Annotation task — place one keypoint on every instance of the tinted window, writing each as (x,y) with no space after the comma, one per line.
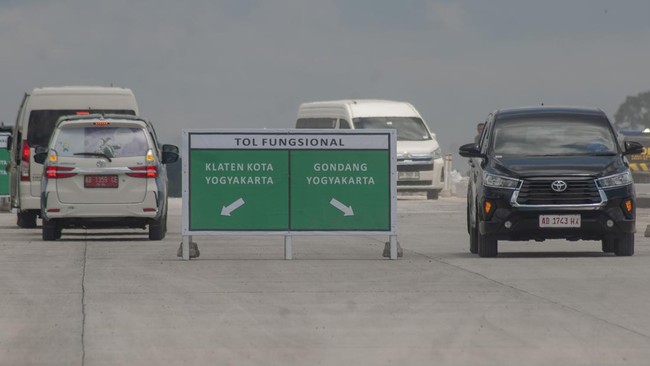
(553,136)
(316,123)
(408,128)
(41,122)
(344,124)
(115,142)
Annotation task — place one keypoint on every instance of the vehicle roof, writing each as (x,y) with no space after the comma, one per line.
(72,89)
(541,111)
(367,107)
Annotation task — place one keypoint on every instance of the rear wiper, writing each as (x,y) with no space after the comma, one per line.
(94,154)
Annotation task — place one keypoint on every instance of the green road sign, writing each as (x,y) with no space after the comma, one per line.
(239,190)
(4,161)
(340,190)
(288,182)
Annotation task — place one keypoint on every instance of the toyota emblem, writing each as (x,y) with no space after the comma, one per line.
(559,186)
(101,163)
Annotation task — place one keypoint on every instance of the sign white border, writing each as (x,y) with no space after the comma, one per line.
(364,139)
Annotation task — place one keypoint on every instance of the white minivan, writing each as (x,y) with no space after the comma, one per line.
(104,171)
(38,113)
(419,158)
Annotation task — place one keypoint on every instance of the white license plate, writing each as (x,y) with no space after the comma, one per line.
(408,175)
(559,220)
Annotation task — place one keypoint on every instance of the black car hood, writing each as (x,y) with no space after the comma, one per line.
(531,166)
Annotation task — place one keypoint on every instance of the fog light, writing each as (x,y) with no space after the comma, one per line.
(508,224)
(628,208)
(628,205)
(487,207)
(610,223)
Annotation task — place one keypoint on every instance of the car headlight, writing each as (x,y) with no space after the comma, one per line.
(616,180)
(437,153)
(497,181)
(414,156)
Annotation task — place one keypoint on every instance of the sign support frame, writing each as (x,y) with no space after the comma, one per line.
(356,135)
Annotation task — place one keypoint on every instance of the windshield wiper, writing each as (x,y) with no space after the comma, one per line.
(604,154)
(94,154)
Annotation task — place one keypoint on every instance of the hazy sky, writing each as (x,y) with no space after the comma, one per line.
(250,63)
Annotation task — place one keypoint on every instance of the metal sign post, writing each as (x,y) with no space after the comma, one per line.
(289,182)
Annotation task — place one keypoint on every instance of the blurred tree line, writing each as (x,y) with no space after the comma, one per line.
(634,113)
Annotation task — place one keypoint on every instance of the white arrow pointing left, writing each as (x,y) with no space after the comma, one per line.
(347,211)
(227,210)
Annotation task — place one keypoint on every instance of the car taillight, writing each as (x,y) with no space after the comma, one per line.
(149,171)
(24,163)
(59,172)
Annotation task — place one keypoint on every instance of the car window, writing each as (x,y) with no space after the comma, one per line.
(43,121)
(344,124)
(408,128)
(115,142)
(316,123)
(553,136)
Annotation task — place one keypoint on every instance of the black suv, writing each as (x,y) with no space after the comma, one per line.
(550,173)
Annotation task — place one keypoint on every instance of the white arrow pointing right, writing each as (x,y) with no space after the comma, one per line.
(347,211)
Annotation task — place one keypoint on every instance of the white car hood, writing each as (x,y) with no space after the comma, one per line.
(417,147)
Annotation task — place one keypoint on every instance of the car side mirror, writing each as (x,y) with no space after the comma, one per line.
(470,151)
(169,154)
(633,147)
(40,154)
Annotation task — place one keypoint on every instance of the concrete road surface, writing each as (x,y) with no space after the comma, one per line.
(115,298)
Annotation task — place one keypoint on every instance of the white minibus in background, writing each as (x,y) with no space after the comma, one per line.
(419,158)
(38,113)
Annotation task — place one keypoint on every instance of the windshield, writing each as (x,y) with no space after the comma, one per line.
(553,136)
(408,128)
(111,142)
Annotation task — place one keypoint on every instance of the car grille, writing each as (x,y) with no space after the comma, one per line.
(539,192)
(414,183)
(414,167)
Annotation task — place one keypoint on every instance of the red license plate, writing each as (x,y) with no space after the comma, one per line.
(100,181)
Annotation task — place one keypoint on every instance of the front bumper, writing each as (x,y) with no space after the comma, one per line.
(430,175)
(606,219)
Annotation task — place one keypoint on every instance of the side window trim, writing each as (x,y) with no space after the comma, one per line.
(486,132)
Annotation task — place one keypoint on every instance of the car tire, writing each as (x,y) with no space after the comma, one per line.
(473,240)
(433,194)
(609,245)
(51,231)
(157,229)
(26,219)
(625,245)
(487,246)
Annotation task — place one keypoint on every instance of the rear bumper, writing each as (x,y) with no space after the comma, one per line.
(29,202)
(147,209)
